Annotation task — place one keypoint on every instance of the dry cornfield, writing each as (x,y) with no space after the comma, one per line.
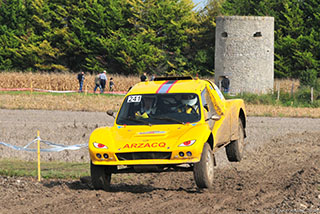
(69,82)
(286,85)
(60,81)
(281,111)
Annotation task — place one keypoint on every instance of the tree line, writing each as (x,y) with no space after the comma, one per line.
(157,36)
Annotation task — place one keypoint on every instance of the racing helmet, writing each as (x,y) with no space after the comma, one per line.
(189,99)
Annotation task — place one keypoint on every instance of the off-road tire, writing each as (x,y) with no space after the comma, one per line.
(235,148)
(203,170)
(100,176)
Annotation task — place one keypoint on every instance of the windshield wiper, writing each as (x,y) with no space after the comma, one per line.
(169,119)
(137,120)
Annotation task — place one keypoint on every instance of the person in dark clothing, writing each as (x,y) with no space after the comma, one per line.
(111,84)
(81,80)
(97,83)
(225,83)
(144,77)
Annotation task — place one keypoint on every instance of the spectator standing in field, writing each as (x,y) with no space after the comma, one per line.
(111,84)
(225,83)
(144,77)
(152,77)
(103,80)
(97,83)
(81,80)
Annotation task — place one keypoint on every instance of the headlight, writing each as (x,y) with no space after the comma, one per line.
(188,143)
(99,146)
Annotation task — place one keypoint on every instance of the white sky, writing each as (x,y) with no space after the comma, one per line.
(200,2)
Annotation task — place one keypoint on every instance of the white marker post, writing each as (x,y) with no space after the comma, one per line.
(39,174)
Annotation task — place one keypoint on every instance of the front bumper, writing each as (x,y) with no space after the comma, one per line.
(179,156)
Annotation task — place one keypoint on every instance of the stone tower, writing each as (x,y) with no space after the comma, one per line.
(244,52)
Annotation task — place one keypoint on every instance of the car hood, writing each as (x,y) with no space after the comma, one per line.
(149,138)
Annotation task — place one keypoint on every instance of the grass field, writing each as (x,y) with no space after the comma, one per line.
(51,170)
(64,102)
(102,103)
(48,169)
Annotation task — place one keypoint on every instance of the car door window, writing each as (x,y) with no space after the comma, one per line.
(208,106)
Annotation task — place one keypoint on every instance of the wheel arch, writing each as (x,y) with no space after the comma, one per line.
(242,117)
(210,140)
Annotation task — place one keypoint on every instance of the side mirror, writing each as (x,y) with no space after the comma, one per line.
(215,117)
(110,113)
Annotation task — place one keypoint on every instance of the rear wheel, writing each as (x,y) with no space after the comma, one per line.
(235,149)
(203,170)
(100,176)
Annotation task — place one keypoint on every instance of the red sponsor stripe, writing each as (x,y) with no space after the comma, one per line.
(171,86)
(162,86)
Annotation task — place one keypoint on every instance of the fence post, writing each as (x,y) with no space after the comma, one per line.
(38,141)
(292,86)
(278,88)
(311,94)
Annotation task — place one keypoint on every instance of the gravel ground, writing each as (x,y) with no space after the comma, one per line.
(280,172)
(19,127)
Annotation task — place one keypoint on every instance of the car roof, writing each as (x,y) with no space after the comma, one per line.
(170,85)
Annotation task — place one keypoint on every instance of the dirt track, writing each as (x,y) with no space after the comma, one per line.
(280,172)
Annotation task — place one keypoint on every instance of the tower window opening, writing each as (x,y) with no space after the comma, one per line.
(224,34)
(257,34)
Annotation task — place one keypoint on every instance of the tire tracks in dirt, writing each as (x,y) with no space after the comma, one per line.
(279,174)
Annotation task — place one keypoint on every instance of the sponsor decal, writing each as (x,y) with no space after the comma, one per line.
(144,145)
(166,86)
(152,132)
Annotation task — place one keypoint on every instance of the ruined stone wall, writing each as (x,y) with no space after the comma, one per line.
(244,51)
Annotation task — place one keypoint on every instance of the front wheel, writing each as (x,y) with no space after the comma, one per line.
(100,176)
(235,149)
(203,170)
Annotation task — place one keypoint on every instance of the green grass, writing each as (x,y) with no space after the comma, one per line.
(48,169)
(52,170)
(300,98)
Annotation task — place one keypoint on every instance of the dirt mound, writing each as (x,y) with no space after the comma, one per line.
(280,173)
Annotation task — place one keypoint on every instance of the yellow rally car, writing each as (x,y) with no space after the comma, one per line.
(169,124)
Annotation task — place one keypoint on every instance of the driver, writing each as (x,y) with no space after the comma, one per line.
(189,102)
(148,107)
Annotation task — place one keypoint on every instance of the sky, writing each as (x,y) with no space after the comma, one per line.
(200,2)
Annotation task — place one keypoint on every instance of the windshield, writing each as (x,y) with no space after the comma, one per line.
(150,109)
